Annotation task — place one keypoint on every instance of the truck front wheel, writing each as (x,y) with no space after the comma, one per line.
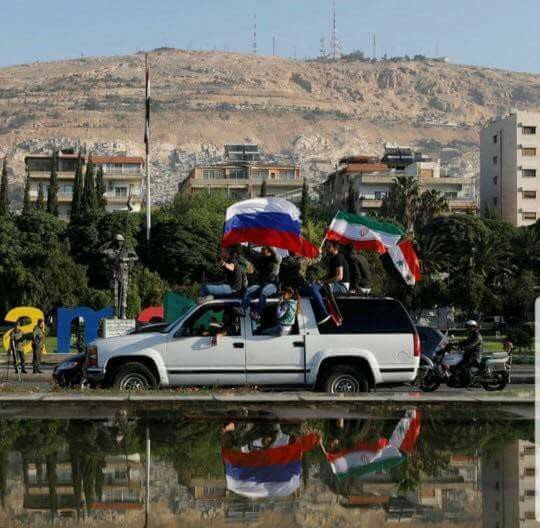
(345,379)
(134,376)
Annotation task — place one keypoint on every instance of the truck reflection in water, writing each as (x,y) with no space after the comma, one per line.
(242,469)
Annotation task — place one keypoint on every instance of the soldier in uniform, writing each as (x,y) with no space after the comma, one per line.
(38,344)
(120,258)
(16,347)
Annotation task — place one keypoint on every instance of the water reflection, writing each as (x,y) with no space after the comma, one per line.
(209,471)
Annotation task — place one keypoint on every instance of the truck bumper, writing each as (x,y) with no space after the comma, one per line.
(95,375)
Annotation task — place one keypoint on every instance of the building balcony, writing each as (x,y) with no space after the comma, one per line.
(113,199)
(45,175)
(369,203)
(112,175)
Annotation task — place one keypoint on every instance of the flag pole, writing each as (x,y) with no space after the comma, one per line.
(147,141)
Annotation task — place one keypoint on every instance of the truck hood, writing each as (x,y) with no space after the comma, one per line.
(130,343)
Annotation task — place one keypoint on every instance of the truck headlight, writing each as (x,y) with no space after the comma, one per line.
(92,355)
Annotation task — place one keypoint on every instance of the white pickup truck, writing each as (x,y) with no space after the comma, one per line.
(377,344)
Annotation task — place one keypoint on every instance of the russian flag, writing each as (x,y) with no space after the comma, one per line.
(267,222)
(266,473)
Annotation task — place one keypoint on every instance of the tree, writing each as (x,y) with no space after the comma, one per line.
(88,202)
(76,201)
(27,203)
(4,190)
(263,189)
(304,202)
(101,201)
(52,196)
(401,203)
(431,204)
(351,201)
(40,202)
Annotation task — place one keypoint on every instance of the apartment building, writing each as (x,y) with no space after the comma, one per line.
(241,174)
(510,167)
(123,176)
(508,486)
(370,179)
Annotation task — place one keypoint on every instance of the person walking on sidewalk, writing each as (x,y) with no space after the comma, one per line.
(38,344)
(16,347)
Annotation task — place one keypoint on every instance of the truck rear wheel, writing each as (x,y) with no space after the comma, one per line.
(345,379)
(134,376)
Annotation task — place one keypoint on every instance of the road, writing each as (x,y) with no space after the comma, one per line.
(522,378)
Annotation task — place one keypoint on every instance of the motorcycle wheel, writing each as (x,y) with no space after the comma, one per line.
(430,382)
(499,385)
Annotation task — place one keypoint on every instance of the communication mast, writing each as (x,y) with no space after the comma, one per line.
(255,34)
(335,45)
(323,47)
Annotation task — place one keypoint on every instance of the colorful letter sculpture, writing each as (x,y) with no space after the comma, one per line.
(91,324)
(152,314)
(176,305)
(23,312)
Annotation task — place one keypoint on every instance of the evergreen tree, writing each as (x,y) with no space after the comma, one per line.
(304,202)
(263,189)
(4,189)
(88,202)
(52,196)
(101,201)
(76,201)
(351,202)
(27,204)
(40,202)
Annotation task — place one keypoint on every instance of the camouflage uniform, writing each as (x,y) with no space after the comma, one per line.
(16,346)
(38,343)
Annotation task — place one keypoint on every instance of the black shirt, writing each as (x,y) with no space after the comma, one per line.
(335,262)
(234,277)
(359,272)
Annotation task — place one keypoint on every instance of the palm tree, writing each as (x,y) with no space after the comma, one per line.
(402,201)
(430,205)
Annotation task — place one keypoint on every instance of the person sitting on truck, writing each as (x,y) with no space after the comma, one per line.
(359,272)
(234,278)
(337,279)
(267,263)
(286,311)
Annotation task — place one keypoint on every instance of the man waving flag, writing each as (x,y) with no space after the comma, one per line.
(267,222)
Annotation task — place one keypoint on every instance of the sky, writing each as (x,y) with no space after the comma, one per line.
(496,33)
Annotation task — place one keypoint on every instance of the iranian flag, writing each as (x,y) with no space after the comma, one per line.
(406,262)
(365,458)
(363,232)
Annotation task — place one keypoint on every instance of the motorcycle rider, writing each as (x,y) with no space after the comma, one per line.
(472,348)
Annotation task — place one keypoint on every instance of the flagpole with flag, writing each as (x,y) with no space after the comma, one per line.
(147,145)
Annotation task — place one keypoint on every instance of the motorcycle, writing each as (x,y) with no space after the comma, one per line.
(492,373)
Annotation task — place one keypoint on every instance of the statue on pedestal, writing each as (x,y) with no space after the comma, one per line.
(120,258)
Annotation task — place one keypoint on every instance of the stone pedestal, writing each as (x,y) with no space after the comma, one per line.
(117,327)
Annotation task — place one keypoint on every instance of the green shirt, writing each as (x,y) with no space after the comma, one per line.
(38,337)
(287,313)
(17,340)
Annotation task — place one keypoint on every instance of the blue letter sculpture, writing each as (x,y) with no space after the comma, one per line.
(91,324)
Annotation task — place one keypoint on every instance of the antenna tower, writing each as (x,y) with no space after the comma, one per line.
(255,34)
(335,45)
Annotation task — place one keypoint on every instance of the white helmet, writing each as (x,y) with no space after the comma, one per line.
(471,323)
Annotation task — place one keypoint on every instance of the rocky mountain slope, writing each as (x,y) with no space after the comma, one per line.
(309,111)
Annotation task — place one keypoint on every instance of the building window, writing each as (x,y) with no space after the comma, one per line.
(529,173)
(260,174)
(120,192)
(529,130)
(286,175)
(213,174)
(529,472)
(495,200)
(528,151)
(132,167)
(495,160)
(495,179)
(529,493)
(495,138)
(529,215)
(451,195)
(67,189)
(529,195)
(530,516)
(380,195)
(237,174)
(529,450)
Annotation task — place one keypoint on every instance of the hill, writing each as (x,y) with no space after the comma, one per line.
(311,111)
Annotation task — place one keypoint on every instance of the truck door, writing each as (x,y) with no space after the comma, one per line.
(274,360)
(208,348)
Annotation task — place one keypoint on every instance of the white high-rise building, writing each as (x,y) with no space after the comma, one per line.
(510,167)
